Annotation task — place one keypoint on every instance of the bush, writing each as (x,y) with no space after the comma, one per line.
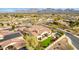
(31,42)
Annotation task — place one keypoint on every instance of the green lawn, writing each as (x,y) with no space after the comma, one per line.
(46,42)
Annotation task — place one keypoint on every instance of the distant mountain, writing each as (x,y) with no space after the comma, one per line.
(41,10)
(48,10)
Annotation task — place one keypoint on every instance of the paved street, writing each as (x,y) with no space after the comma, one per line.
(74,40)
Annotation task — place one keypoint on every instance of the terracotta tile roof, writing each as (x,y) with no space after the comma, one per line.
(38,30)
(18,42)
(12,37)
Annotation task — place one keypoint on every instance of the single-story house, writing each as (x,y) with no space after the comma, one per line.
(39,31)
(11,40)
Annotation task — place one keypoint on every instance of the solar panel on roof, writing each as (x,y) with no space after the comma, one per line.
(10,36)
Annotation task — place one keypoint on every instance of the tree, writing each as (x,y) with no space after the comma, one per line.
(1,24)
(31,42)
(13,27)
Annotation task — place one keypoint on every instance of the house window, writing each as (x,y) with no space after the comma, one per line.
(11,47)
(56,48)
(46,34)
(35,31)
(39,38)
(59,44)
(1,48)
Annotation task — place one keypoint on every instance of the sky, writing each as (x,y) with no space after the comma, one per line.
(11,9)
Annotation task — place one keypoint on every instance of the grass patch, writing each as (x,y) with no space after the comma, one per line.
(46,42)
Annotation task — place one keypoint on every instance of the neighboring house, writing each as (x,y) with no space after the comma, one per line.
(64,43)
(49,21)
(19,28)
(11,40)
(39,31)
(63,22)
(5,28)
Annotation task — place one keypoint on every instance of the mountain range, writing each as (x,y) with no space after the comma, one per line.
(39,10)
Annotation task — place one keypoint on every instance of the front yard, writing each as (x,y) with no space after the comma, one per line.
(46,42)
